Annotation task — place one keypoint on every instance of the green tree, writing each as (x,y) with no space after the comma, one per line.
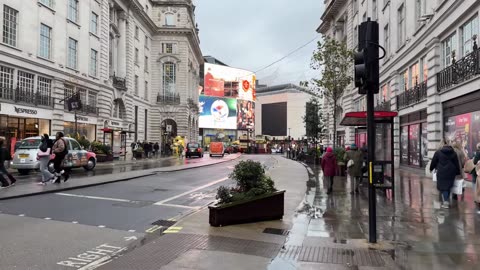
(334,61)
(314,122)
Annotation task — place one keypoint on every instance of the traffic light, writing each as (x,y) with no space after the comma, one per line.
(366,59)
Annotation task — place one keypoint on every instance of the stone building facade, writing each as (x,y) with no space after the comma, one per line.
(430,74)
(134,63)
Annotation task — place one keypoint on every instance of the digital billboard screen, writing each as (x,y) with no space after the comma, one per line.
(245,114)
(223,81)
(274,119)
(217,112)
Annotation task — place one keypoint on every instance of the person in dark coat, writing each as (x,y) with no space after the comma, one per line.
(329,164)
(156,148)
(476,159)
(5,156)
(354,171)
(445,161)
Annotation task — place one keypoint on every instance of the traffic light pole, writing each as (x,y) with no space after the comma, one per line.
(372,200)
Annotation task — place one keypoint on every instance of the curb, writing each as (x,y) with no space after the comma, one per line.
(108,182)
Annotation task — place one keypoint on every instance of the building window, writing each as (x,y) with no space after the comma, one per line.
(146,63)
(137,32)
(6,82)
(48,3)
(68,92)
(136,85)
(92,99)
(448,48)
(145,93)
(401,26)
(73,10)
(167,48)
(355,6)
(94,24)
(136,56)
(45,41)
(72,53)
(386,92)
(374,10)
(414,75)
(44,86)
(146,41)
(10,26)
(386,40)
(26,83)
(93,62)
(403,84)
(469,30)
(423,69)
(169,19)
(169,78)
(418,12)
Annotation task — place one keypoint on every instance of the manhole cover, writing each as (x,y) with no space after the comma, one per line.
(165,223)
(275,231)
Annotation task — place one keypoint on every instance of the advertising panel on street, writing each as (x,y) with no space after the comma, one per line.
(223,81)
(217,112)
(245,114)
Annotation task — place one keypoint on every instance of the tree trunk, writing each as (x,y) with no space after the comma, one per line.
(334,124)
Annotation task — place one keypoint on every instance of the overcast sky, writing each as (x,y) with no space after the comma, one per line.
(251,34)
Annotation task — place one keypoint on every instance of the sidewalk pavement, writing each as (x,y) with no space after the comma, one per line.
(32,188)
(325,231)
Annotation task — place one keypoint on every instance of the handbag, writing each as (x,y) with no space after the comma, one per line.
(469,166)
(427,169)
(350,163)
(434,175)
(457,187)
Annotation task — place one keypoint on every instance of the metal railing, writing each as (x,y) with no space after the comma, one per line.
(24,96)
(168,99)
(384,106)
(412,96)
(85,109)
(119,82)
(459,71)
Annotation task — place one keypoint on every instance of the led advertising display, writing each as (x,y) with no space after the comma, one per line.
(245,114)
(223,81)
(274,119)
(217,112)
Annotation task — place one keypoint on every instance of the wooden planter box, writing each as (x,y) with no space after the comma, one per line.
(265,207)
(104,158)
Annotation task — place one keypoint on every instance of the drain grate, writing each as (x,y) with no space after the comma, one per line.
(275,231)
(354,257)
(165,223)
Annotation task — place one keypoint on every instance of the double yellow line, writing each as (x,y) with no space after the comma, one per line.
(168,230)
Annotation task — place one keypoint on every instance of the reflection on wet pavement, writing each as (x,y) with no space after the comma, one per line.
(422,236)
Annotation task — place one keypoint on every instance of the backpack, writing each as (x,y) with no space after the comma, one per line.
(44,147)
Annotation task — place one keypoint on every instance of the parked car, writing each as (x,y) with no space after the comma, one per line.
(217,149)
(228,149)
(193,149)
(25,157)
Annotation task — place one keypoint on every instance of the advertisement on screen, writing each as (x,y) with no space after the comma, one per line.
(216,112)
(223,81)
(245,114)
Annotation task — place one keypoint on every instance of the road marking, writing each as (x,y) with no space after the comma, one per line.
(92,259)
(75,222)
(191,191)
(171,219)
(130,238)
(96,198)
(131,230)
(177,205)
(47,218)
(101,226)
(173,230)
(153,229)
(21,215)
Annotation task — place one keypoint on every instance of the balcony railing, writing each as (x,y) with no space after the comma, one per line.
(168,99)
(384,106)
(460,71)
(86,109)
(412,96)
(119,83)
(28,97)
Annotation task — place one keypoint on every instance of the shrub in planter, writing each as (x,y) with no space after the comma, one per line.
(254,198)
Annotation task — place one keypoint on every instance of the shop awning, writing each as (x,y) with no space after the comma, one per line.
(359,119)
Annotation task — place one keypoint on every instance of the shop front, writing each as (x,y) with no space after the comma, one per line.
(462,121)
(19,122)
(413,139)
(215,135)
(86,126)
(115,135)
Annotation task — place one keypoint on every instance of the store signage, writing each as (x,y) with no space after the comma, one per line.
(82,118)
(113,123)
(25,110)
(70,117)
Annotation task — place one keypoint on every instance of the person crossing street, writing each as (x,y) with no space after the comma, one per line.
(5,156)
(60,149)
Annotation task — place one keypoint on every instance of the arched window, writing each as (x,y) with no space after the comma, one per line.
(119,109)
(169,78)
(169,19)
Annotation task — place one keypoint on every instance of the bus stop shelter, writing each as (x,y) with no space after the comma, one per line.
(384,154)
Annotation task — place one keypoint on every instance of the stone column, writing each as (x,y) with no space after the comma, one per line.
(122,46)
(434,105)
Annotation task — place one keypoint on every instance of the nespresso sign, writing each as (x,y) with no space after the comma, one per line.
(24,110)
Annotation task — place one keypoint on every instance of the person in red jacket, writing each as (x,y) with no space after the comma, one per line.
(329,165)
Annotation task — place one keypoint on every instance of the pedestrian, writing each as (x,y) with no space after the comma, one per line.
(462,159)
(446,162)
(329,165)
(355,170)
(156,148)
(476,186)
(60,150)
(5,156)
(145,148)
(43,156)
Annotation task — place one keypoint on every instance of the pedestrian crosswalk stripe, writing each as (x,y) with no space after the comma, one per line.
(173,230)
(153,229)
(171,219)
